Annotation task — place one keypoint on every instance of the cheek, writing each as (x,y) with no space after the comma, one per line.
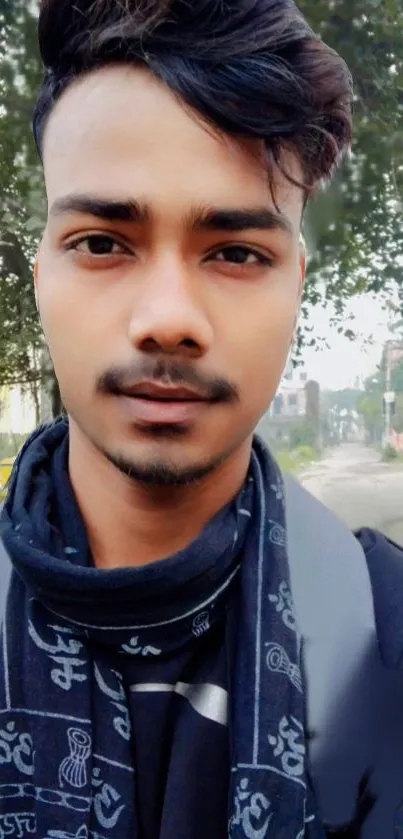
(70,332)
(261,339)
(68,306)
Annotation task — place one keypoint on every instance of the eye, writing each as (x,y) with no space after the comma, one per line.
(97,245)
(240,255)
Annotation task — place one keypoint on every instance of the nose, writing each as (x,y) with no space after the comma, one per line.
(169,314)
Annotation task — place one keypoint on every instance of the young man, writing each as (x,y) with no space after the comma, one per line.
(153,681)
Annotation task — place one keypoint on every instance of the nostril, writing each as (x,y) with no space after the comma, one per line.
(150,345)
(191,345)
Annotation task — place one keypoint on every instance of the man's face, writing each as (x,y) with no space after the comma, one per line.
(168,281)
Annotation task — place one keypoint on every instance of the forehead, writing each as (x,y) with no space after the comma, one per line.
(121,131)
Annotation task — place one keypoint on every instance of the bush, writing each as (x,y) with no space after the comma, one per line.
(389,453)
(286,461)
(292,461)
(305,454)
(303,435)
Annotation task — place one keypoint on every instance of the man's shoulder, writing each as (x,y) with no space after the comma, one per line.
(376,545)
(348,592)
(329,577)
(315,531)
(352,581)
(385,566)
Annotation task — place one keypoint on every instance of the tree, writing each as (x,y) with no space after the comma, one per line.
(371,407)
(397,418)
(20,334)
(340,410)
(341,400)
(397,377)
(355,229)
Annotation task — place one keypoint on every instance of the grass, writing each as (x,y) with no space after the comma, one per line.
(391,455)
(295,460)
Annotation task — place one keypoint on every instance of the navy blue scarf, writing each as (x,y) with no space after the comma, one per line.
(70,625)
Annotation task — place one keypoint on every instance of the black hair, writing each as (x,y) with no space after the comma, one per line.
(249,68)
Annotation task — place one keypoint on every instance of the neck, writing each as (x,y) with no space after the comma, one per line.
(130,524)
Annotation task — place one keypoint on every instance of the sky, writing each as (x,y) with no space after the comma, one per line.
(344,361)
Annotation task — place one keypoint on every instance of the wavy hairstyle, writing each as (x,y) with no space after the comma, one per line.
(248,68)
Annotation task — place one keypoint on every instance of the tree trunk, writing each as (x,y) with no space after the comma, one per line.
(56,399)
(35,390)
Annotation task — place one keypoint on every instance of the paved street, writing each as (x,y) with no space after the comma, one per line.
(360,489)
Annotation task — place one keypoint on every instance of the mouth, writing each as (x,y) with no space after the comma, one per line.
(151,404)
(163,393)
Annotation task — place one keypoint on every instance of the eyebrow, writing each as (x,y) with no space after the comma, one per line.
(102,208)
(202,220)
(235,221)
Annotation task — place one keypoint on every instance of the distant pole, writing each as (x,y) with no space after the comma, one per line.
(312,410)
(388,404)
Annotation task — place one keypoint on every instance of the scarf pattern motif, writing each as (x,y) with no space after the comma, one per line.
(69,718)
(272,794)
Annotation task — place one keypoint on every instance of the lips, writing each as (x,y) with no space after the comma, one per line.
(162,393)
(151,404)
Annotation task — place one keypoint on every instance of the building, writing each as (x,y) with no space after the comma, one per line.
(289,408)
(290,400)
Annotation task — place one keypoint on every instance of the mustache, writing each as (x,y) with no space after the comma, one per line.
(117,380)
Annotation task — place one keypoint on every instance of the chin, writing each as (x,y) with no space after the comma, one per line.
(160,471)
(164,459)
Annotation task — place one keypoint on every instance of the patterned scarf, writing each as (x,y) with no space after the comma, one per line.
(65,750)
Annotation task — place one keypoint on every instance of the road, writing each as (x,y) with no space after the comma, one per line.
(360,489)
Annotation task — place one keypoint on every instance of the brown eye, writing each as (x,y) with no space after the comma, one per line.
(240,255)
(98,246)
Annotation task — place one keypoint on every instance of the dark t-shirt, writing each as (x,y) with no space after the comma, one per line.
(180,742)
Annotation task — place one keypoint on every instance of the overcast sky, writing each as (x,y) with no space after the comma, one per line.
(340,365)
